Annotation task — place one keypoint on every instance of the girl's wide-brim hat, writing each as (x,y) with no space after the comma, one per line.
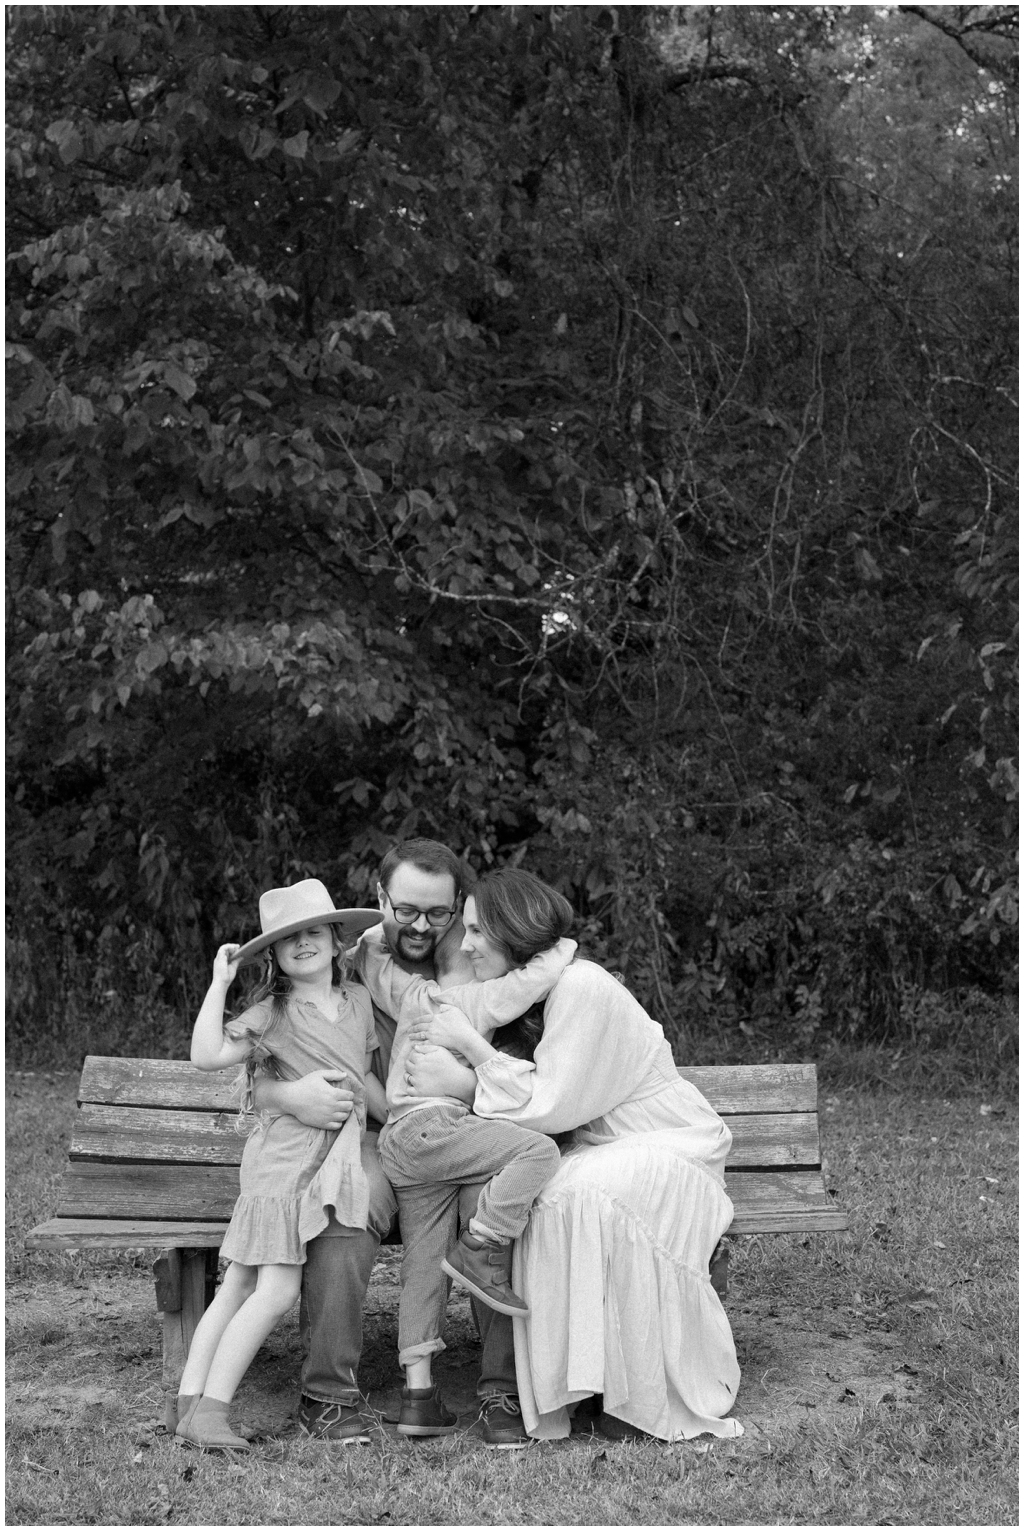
(283,911)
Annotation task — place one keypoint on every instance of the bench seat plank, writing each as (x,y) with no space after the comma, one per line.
(142,1233)
(782,1202)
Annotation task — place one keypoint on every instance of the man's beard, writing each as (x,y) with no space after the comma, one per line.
(419,953)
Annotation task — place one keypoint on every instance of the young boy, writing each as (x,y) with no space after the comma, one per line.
(431,1147)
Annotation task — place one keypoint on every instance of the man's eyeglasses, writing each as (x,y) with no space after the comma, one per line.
(408,914)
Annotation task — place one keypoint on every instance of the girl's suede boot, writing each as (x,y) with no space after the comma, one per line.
(206,1424)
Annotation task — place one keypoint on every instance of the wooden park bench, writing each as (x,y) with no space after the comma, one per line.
(155,1152)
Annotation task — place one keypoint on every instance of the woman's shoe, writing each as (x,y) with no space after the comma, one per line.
(424,1412)
(614,1429)
(206,1425)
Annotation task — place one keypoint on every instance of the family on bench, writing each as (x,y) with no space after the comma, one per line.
(541,1148)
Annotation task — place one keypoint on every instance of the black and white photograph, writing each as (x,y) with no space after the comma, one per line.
(512,780)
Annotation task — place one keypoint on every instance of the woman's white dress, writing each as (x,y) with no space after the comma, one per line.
(614,1259)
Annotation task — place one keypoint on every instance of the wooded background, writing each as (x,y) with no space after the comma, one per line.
(584,436)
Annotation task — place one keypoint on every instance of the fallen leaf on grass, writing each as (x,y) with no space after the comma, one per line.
(160,1507)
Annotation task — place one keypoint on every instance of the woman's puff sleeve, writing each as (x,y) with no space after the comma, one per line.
(595,1052)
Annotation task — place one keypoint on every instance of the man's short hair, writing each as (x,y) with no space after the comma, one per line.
(428,856)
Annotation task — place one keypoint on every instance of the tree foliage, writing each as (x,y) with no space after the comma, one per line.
(575,434)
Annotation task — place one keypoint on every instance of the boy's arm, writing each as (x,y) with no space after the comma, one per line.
(496,1001)
(376,1100)
(390,986)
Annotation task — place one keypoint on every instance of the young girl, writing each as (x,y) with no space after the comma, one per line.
(303,1015)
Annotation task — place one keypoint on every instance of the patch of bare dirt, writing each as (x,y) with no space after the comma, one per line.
(90,1350)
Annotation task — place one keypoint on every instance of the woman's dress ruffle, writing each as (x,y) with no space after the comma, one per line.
(614,1263)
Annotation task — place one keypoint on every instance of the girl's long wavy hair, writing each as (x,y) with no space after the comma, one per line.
(522,916)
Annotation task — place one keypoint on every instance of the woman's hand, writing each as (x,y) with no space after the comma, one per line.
(433,1071)
(448,1027)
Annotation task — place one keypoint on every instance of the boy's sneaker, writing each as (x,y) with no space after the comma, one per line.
(503,1428)
(339,1424)
(484,1268)
(424,1412)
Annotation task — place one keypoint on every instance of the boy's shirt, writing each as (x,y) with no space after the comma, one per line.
(408,996)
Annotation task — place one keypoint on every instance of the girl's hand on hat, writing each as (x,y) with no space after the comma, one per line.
(224,969)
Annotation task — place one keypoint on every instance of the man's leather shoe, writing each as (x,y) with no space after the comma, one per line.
(424,1412)
(340,1424)
(484,1268)
(503,1428)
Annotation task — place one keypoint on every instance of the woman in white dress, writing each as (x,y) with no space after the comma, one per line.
(614,1260)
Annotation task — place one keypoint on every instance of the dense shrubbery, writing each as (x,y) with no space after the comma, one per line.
(578,435)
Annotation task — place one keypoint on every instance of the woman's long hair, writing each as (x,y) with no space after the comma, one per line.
(522,916)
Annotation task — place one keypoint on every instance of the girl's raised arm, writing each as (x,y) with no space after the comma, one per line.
(211,1049)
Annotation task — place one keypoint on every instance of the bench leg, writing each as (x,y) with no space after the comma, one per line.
(185,1282)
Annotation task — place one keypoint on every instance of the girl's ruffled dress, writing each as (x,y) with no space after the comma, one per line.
(292,1177)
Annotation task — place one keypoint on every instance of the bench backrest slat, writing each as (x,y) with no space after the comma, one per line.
(168,1083)
(776,1199)
(141,1135)
(202,1192)
(760,1087)
(173,1083)
(156,1140)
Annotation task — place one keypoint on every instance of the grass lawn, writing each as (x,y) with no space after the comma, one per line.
(879,1366)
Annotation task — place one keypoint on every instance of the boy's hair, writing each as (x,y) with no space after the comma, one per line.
(427,856)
